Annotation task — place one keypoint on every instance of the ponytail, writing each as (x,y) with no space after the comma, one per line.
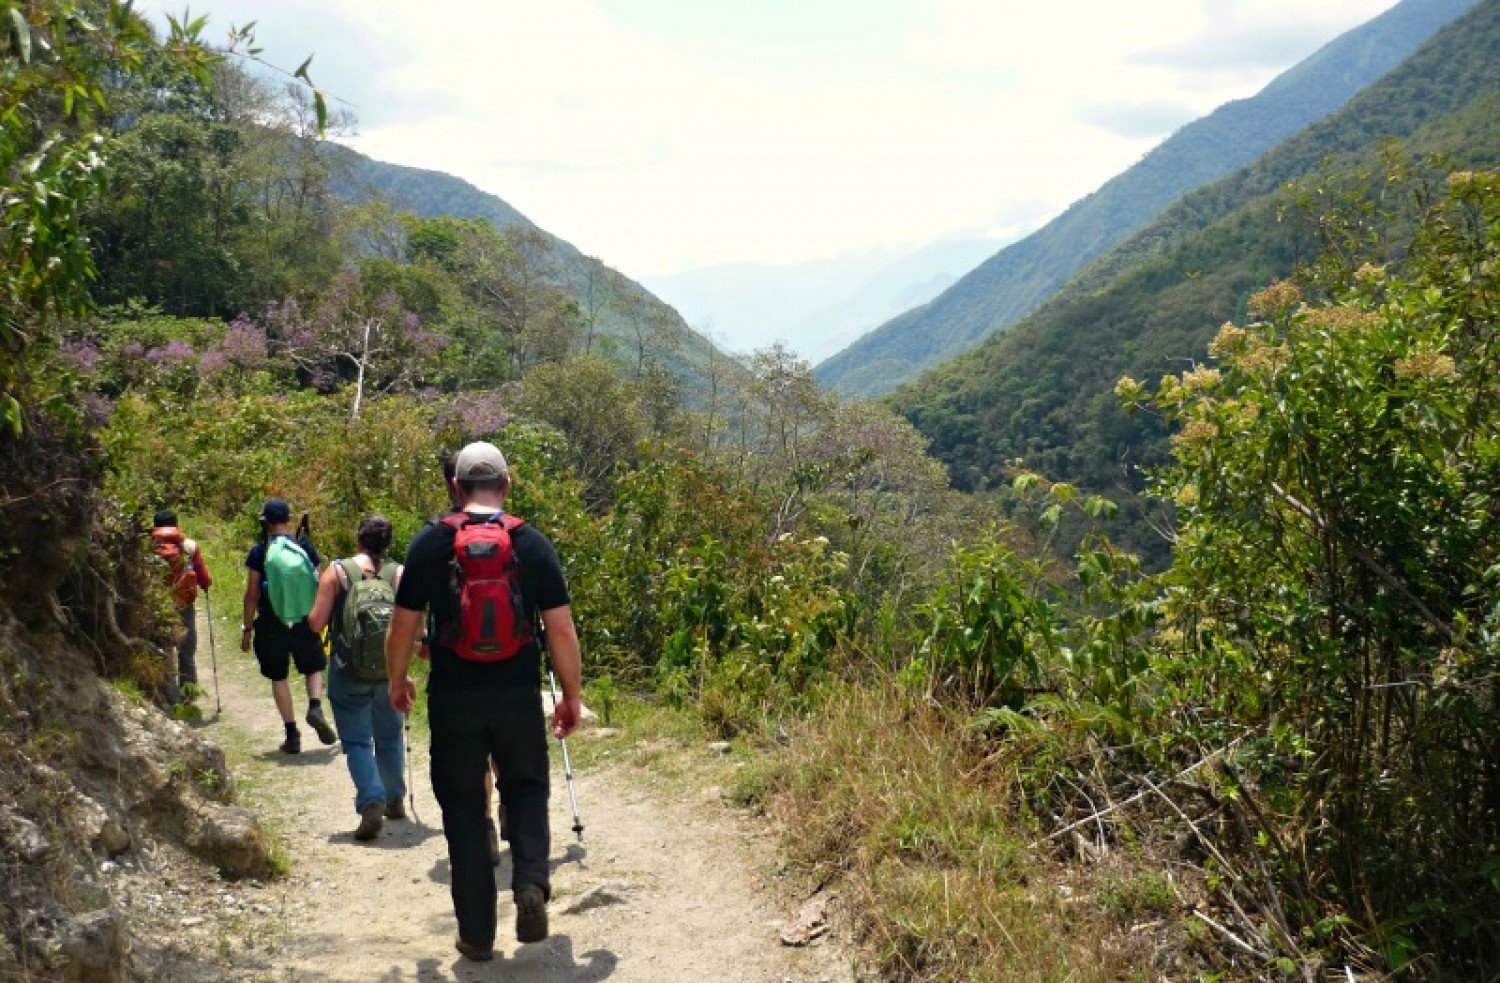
(374,538)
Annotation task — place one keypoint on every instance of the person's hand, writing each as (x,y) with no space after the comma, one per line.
(565,716)
(245,640)
(403,694)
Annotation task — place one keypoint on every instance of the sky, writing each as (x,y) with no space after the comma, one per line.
(665,135)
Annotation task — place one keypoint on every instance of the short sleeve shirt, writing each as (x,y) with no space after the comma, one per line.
(256,560)
(426,584)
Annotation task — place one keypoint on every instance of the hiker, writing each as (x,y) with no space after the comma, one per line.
(185,575)
(279,592)
(493,833)
(355,598)
(484,693)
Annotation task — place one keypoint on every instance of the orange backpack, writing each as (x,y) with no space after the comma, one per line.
(168,543)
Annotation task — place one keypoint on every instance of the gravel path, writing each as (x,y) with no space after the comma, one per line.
(669,883)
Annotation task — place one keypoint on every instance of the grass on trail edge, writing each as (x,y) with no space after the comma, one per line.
(914,820)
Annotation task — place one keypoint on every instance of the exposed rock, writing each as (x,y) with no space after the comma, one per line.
(24,838)
(112,839)
(810,923)
(114,780)
(230,838)
(719,747)
(93,947)
(91,823)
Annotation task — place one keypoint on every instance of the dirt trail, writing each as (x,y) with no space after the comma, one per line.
(668,885)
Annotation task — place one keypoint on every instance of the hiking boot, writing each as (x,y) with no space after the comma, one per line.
(494,836)
(395,809)
(371,818)
(531,914)
(293,743)
(473,952)
(316,721)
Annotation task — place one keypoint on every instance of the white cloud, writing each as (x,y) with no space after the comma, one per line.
(684,133)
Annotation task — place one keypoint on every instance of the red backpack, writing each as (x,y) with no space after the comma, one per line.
(491,624)
(168,543)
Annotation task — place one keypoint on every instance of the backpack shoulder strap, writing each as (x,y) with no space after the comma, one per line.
(456,521)
(388,572)
(351,572)
(296,545)
(511,522)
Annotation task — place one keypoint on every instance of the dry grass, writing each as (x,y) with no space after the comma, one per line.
(914,817)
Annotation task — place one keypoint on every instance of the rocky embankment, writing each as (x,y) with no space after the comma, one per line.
(116,822)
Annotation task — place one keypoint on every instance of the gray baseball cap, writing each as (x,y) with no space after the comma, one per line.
(481,461)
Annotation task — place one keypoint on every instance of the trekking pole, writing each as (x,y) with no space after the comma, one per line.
(213,653)
(411,782)
(567,763)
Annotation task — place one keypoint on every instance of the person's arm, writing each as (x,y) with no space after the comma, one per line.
(567,663)
(247,614)
(400,636)
(329,585)
(200,569)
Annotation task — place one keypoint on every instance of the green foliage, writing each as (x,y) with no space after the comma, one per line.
(1335,580)
(602,693)
(988,630)
(1041,391)
(1141,895)
(58,60)
(1315,670)
(752,642)
(552,289)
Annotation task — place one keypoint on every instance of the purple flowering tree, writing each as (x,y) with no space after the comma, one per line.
(82,356)
(478,414)
(371,344)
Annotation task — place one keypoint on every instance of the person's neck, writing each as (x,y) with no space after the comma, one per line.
(485,503)
(279,529)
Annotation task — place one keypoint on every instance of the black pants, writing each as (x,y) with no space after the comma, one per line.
(187,649)
(468,728)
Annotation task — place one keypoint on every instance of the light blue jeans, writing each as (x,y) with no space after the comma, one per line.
(370,732)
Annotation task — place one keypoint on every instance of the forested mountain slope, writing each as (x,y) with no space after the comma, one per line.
(620,308)
(1019,278)
(1043,391)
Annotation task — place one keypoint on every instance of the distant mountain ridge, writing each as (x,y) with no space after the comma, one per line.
(433,193)
(819,306)
(1020,277)
(1042,391)
(903,284)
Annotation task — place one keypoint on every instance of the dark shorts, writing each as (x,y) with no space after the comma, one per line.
(277,648)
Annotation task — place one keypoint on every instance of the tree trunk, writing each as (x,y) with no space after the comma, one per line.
(359,382)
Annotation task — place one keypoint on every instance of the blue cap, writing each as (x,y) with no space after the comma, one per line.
(276,510)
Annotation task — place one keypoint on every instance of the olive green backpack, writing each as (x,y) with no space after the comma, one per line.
(368,603)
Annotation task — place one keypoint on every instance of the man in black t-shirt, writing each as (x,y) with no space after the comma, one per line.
(278,646)
(483,710)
